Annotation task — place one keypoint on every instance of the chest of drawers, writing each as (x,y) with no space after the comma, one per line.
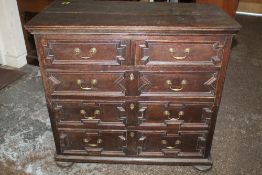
(130,82)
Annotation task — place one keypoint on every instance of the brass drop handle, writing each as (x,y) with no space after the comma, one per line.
(65,2)
(177,142)
(173,51)
(170,147)
(91,52)
(122,138)
(99,141)
(80,83)
(168,114)
(96,112)
(178,88)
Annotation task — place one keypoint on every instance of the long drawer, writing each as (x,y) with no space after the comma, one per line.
(142,115)
(173,51)
(132,143)
(133,83)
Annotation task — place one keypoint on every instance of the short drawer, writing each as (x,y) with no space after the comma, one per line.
(83,142)
(92,52)
(90,114)
(159,144)
(170,53)
(183,84)
(172,113)
(87,83)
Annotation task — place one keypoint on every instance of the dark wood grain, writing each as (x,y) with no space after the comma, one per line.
(107,83)
(132,114)
(94,52)
(155,113)
(113,16)
(180,52)
(197,84)
(82,142)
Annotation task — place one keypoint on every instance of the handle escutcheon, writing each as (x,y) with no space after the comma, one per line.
(172,52)
(96,113)
(80,83)
(132,134)
(91,52)
(131,77)
(132,106)
(183,83)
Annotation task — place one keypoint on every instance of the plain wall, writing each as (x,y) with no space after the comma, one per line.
(12,45)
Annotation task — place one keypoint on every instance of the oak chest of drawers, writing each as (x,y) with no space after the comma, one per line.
(132,82)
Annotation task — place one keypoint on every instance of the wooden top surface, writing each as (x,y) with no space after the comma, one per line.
(87,15)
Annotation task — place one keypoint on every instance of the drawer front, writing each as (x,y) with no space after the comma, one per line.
(192,52)
(82,142)
(90,114)
(122,114)
(184,84)
(87,83)
(171,114)
(93,52)
(159,144)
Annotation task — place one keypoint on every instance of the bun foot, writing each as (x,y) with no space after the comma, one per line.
(64,164)
(202,168)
